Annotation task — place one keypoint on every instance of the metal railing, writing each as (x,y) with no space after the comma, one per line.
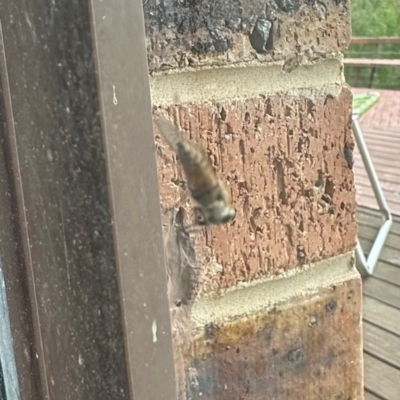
(366,265)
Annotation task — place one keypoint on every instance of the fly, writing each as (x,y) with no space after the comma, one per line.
(206,188)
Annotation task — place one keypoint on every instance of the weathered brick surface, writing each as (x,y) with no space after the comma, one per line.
(192,33)
(309,348)
(282,159)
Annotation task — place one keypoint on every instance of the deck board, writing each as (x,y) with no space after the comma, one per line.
(381,344)
(381,314)
(369,233)
(384,291)
(370,396)
(388,273)
(381,310)
(384,115)
(388,255)
(381,379)
(372,218)
(381,301)
(384,148)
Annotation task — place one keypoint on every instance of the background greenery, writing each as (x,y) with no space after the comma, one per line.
(375,18)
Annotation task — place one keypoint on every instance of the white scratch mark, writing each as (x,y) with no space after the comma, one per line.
(65,248)
(31,27)
(115,100)
(49,155)
(26,354)
(80,360)
(52,7)
(154,330)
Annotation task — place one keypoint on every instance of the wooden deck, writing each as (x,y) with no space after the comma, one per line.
(381,131)
(381,318)
(381,314)
(385,113)
(384,148)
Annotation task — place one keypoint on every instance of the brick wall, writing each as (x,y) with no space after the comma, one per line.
(269,306)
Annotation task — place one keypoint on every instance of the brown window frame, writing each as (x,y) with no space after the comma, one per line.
(75,115)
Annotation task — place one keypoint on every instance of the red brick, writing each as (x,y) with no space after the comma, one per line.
(282,159)
(190,34)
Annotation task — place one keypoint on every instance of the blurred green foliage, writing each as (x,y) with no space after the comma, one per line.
(375,18)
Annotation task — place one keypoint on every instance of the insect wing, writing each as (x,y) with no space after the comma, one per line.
(170,132)
(201,176)
(197,166)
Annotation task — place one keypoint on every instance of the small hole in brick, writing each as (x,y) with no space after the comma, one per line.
(269,109)
(247,117)
(260,35)
(283,197)
(331,306)
(329,187)
(319,184)
(299,146)
(178,303)
(242,149)
(223,114)
(342,206)
(326,198)
(294,355)
(257,212)
(238,350)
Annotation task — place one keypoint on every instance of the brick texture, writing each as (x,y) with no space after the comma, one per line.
(283,162)
(282,159)
(307,349)
(194,33)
